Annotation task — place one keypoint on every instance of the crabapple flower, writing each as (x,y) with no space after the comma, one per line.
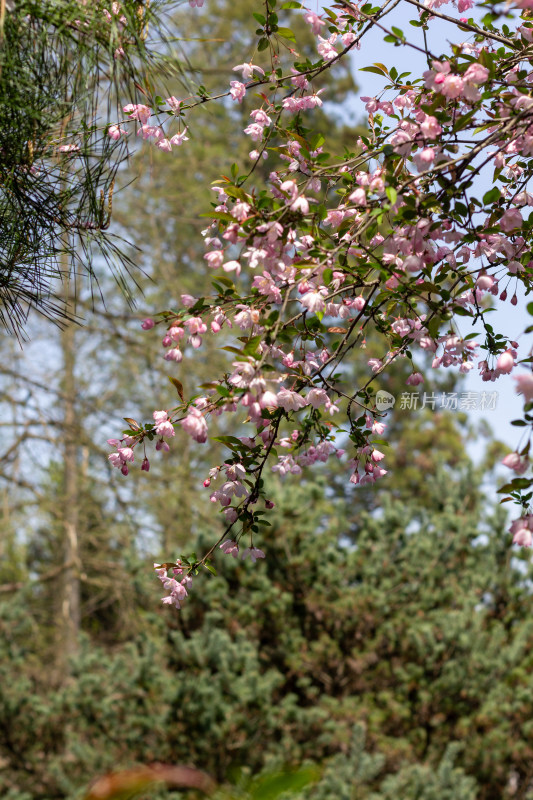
(179,138)
(415,379)
(195,425)
(237,91)
(524,385)
(314,21)
(138,112)
(290,401)
(515,462)
(230,548)
(115,132)
(248,70)
(174,104)
(317,398)
(522,531)
(253,553)
(505,362)
(163,425)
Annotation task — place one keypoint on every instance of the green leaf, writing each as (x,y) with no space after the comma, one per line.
(262,44)
(272,786)
(229,441)
(375,70)
(286,33)
(250,347)
(515,485)
(219,215)
(291,4)
(492,196)
(392,194)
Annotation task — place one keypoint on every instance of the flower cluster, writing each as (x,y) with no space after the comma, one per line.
(391,238)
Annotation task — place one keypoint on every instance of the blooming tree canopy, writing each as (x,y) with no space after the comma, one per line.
(396,236)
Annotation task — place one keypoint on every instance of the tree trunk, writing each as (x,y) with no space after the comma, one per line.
(69,620)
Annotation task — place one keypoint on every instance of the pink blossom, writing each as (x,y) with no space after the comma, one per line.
(187,300)
(317,397)
(195,425)
(147,324)
(255,131)
(314,301)
(524,385)
(232,266)
(290,401)
(165,145)
(521,530)
(163,426)
(196,325)
(248,70)
(215,258)
(230,548)
(174,354)
(415,379)
(314,21)
(138,112)
(452,86)
(253,553)
(240,211)
(358,197)
(174,104)
(375,364)
(115,132)
(485,282)
(430,127)
(179,138)
(325,47)
(476,73)
(523,537)
(150,132)
(371,104)
(515,462)
(511,219)
(505,362)
(268,400)
(237,91)
(126,454)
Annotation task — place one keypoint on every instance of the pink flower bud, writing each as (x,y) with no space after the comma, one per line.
(147,324)
(505,362)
